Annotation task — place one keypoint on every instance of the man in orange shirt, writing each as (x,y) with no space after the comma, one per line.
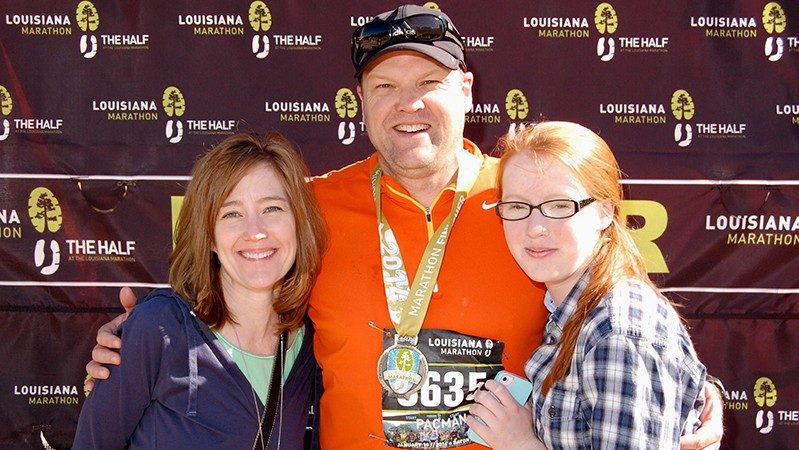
(482,312)
(418,300)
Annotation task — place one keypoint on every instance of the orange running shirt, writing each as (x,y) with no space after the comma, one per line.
(482,291)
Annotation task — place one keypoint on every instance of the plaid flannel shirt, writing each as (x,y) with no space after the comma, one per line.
(635,381)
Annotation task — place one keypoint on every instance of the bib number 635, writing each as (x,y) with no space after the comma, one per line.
(448,389)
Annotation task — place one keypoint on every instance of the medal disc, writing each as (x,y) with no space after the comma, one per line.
(402,370)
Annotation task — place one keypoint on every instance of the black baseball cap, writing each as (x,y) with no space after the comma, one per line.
(409,27)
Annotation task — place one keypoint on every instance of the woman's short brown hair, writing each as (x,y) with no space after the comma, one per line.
(194,268)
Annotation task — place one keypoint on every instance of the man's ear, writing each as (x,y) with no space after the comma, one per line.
(467,81)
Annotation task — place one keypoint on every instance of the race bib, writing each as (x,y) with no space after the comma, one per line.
(435,416)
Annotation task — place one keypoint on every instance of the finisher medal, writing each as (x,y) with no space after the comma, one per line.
(402,368)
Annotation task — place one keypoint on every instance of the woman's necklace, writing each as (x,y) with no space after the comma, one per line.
(259,436)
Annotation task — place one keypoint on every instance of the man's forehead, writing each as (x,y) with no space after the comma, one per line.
(416,58)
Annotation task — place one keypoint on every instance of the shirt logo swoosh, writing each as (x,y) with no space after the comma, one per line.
(488,206)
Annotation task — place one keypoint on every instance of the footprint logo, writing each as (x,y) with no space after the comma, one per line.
(39,256)
(774,22)
(174,131)
(516,104)
(6,130)
(774,18)
(765,392)
(347,108)
(88,46)
(346,132)
(45,215)
(606,48)
(605,18)
(345,103)
(683,108)
(258,50)
(44,210)
(260,17)
(606,21)
(774,48)
(173,101)
(683,134)
(6,103)
(87,17)
(174,104)
(682,105)
(764,421)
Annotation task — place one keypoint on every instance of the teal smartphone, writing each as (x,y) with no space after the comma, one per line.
(519,387)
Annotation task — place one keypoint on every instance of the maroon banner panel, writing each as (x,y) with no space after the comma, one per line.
(105,105)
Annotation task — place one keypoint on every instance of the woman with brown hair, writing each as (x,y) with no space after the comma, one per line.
(223,359)
(616,368)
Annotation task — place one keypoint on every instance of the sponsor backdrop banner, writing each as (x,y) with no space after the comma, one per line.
(104,106)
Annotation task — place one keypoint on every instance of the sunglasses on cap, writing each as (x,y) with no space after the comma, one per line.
(379,34)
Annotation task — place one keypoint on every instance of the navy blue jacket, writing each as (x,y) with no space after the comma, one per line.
(179,388)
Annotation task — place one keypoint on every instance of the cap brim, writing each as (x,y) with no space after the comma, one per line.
(440,55)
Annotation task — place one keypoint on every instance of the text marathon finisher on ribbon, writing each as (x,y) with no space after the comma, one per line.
(436,253)
(424,282)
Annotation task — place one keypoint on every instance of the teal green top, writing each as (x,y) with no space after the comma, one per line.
(258,369)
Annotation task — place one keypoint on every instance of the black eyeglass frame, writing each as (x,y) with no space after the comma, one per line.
(578,205)
(399,30)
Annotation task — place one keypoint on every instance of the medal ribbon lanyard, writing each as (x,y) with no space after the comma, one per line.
(408,308)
